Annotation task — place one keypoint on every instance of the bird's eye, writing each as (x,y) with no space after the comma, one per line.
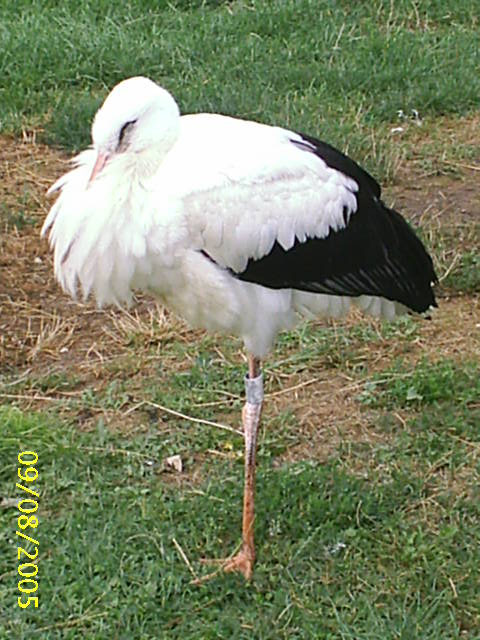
(124,130)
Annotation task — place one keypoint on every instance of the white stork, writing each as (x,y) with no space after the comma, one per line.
(236,226)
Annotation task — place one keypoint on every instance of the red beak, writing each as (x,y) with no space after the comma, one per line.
(100,162)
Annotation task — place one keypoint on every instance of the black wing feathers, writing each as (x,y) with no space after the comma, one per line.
(339,161)
(377,253)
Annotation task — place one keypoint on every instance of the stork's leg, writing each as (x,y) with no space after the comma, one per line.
(252,409)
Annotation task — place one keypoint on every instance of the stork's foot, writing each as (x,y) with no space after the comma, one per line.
(242,562)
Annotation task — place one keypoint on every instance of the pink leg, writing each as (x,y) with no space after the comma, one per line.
(244,560)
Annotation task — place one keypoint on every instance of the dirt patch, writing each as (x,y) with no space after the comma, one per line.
(42,330)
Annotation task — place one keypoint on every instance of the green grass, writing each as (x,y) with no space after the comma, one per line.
(18,219)
(381,542)
(429,383)
(335,69)
(17,216)
(466,276)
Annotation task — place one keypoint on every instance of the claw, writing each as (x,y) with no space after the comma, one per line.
(242,562)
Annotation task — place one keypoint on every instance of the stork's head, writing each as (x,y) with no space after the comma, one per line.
(138,117)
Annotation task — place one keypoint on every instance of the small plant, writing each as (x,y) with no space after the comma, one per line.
(15,218)
(428,383)
(465,276)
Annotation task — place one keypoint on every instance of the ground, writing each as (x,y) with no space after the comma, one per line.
(368,474)
(53,350)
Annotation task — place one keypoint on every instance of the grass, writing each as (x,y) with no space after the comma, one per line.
(466,277)
(380,542)
(428,383)
(334,69)
(368,519)
(18,219)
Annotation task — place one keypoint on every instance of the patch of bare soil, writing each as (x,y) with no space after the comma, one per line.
(41,330)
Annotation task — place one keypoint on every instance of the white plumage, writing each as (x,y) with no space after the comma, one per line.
(237,226)
(207,182)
